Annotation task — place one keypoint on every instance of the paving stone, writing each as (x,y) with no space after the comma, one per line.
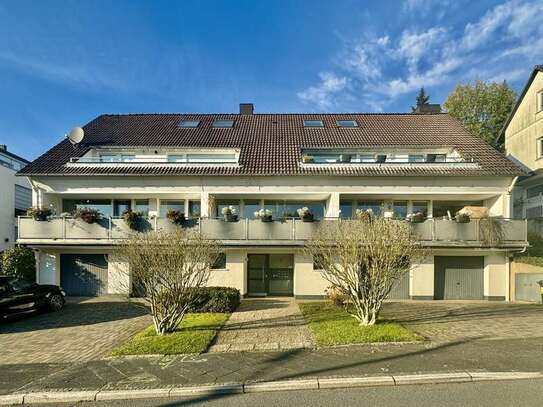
(265,324)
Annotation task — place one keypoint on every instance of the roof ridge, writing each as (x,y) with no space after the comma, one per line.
(277,114)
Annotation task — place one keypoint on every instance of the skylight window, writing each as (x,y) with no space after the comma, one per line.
(223,124)
(189,123)
(313,123)
(346,123)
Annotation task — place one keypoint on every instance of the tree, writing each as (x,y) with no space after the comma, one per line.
(421,100)
(19,262)
(170,267)
(483,108)
(364,258)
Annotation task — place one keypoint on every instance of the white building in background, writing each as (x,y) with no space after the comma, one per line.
(15,195)
(334,164)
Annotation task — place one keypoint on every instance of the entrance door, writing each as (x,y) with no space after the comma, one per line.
(270,274)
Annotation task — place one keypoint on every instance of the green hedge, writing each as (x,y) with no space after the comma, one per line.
(216,299)
(19,262)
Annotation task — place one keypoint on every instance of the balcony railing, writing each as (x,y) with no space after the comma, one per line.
(107,230)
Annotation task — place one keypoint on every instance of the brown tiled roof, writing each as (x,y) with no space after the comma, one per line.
(271,144)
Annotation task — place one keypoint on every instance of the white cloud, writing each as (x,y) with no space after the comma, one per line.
(503,43)
(322,95)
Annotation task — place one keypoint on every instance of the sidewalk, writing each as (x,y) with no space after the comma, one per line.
(213,368)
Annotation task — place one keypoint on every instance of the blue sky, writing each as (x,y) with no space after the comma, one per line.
(64,62)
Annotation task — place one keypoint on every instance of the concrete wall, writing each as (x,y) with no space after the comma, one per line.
(234,275)
(118,276)
(308,283)
(8,221)
(495,276)
(525,128)
(421,280)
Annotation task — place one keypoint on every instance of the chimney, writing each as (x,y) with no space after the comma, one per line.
(3,147)
(429,108)
(246,108)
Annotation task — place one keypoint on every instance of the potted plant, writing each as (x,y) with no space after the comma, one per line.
(175,216)
(308,158)
(462,218)
(230,214)
(305,214)
(345,158)
(87,215)
(416,217)
(265,215)
(131,218)
(39,214)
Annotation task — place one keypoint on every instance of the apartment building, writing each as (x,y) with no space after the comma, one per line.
(15,195)
(333,164)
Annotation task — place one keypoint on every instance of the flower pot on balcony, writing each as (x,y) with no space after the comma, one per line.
(462,218)
(308,218)
(175,216)
(230,218)
(266,218)
(38,214)
(87,215)
(417,218)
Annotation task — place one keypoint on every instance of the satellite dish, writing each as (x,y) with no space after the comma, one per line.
(76,135)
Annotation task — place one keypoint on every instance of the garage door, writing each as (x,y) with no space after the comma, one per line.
(83,274)
(400,291)
(527,287)
(459,277)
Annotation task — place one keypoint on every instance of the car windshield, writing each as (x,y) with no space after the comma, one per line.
(19,284)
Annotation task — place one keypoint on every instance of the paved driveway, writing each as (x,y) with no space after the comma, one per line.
(85,329)
(454,321)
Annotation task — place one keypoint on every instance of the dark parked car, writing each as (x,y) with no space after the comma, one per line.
(19,297)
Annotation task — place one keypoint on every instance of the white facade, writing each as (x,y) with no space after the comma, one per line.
(12,196)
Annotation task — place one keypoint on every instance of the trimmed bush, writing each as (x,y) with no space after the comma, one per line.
(216,299)
(19,262)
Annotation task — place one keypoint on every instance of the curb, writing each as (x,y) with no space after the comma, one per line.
(252,387)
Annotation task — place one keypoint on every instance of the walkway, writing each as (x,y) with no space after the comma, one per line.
(261,324)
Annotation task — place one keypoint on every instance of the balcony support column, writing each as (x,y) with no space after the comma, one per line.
(332,206)
(204,204)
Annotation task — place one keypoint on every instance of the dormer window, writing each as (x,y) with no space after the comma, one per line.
(436,158)
(346,123)
(416,158)
(223,124)
(189,124)
(313,123)
(117,158)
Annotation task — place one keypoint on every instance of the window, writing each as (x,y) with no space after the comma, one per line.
(346,123)
(539,147)
(346,209)
(313,123)
(366,158)
(189,123)
(400,209)
(220,262)
(540,101)
(443,208)
(142,205)
(416,158)
(250,207)
(375,206)
(420,206)
(211,158)
(224,204)
(116,158)
(175,205)
(102,205)
(120,205)
(322,158)
(18,284)
(223,124)
(289,209)
(194,209)
(436,158)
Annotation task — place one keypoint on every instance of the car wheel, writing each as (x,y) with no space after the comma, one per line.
(56,302)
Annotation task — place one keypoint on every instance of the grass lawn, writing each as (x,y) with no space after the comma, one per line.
(332,325)
(193,336)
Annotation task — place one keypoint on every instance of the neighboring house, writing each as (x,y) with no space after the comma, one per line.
(523,134)
(333,164)
(15,195)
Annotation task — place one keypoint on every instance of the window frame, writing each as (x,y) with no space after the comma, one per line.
(215,122)
(182,122)
(338,123)
(220,262)
(539,101)
(307,121)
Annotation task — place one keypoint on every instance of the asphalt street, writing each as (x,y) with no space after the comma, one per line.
(520,393)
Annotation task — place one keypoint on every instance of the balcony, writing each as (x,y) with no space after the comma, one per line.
(107,231)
